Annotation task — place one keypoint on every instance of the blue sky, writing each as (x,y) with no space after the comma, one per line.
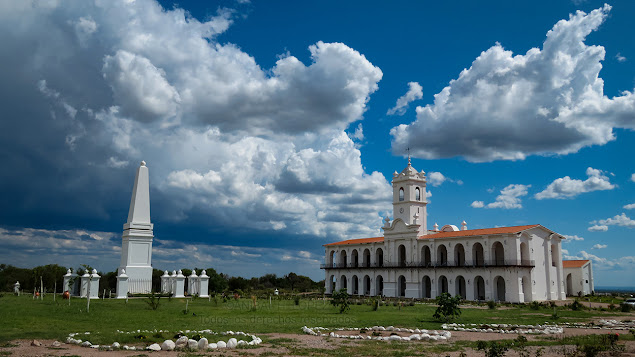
(271,128)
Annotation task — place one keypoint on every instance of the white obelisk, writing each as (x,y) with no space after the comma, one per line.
(136,248)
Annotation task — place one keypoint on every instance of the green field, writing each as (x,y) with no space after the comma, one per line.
(25,318)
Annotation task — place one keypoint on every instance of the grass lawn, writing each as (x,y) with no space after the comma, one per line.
(25,318)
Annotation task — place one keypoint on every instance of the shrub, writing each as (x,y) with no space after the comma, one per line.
(296,299)
(534,305)
(153,301)
(448,307)
(576,306)
(493,348)
(491,305)
(340,298)
(626,308)
(374,304)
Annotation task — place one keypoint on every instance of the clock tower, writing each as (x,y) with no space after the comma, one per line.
(409,197)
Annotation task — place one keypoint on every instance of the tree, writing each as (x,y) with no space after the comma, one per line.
(340,298)
(448,307)
(293,279)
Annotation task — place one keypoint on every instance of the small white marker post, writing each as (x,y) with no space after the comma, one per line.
(187,302)
(269,301)
(41,288)
(88,297)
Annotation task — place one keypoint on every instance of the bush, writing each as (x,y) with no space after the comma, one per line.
(576,306)
(626,308)
(340,298)
(374,304)
(448,307)
(493,348)
(535,305)
(153,301)
(491,305)
(296,299)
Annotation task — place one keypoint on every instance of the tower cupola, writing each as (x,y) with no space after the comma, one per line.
(409,197)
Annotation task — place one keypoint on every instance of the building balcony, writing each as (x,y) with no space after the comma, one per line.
(436,264)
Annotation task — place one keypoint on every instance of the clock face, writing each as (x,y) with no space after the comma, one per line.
(401,210)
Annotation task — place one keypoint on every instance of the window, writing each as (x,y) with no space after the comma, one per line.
(401,194)
(417,194)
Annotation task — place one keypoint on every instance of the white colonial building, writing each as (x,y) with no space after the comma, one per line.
(578,277)
(514,264)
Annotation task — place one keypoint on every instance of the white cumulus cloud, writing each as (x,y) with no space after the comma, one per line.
(567,187)
(509,198)
(629,206)
(415,92)
(554,93)
(224,138)
(621,220)
(598,228)
(572,238)
(599,246)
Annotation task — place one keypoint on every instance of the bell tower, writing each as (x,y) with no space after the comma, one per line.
(409,197)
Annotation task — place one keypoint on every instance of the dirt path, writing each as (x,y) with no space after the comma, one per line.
(24,348)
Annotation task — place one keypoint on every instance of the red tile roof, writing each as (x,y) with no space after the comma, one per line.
(358,241)
(574,263)
(479,232)
(467,233)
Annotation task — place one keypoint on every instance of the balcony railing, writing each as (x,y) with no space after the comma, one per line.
(434,264)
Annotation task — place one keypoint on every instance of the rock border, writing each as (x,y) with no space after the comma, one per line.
(545,329)
(182,343)
(417,334)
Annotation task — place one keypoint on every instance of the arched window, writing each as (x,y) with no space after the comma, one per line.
(417,194)
(401,194)
(402,256)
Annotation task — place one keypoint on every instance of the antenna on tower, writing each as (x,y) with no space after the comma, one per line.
(408,155)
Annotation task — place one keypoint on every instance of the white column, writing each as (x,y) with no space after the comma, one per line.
(179,285)
(165,282)
(85,281)
(94,285)
(203,285)
(122,285)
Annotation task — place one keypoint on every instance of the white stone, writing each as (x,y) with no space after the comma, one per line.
(192,345)
(242,343)
(116,345)
(168,345)
(85,344)
(181,342)
(154,347)
(221,344)
(212,346)
(203,343)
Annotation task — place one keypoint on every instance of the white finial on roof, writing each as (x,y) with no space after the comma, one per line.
(436,227)
(143,163)
(463,226)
